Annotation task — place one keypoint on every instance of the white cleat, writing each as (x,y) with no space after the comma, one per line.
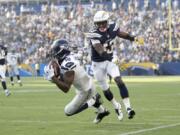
(12,83)
(20,83)
(7,93)
(119,112)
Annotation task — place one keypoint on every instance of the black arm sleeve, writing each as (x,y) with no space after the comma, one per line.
(131,38)
(125,35)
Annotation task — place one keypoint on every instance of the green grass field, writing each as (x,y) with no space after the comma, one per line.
(37,108)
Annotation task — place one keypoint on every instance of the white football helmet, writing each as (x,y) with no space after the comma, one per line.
(101,16)
(101,20)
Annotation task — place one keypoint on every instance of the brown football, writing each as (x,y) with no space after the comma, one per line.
(56,68)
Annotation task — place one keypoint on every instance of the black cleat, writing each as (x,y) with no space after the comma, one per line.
(131,113)
(100,116)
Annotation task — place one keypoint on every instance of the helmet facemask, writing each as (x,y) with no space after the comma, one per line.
(102,26)
(60,50)
(60,56)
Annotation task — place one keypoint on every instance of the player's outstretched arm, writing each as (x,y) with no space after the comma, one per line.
(124,35)
(65,83)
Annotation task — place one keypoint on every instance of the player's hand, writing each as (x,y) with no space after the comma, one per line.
(139,40)
(48,72)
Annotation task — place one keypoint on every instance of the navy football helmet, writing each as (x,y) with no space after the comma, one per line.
(60,49)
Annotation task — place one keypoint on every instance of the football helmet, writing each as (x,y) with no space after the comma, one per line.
(60,49)
(101,20)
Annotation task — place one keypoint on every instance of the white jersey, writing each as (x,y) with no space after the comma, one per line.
(12,58)
(82,82)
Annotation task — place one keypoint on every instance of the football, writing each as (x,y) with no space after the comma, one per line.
(56,67)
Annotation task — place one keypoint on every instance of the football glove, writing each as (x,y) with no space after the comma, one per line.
(139,40)
(48,72)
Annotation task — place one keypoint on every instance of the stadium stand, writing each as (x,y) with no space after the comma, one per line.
(30,26)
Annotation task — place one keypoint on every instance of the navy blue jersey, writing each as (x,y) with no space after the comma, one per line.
(3,53)
(104,38)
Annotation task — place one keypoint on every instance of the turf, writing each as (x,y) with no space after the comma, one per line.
(37,108)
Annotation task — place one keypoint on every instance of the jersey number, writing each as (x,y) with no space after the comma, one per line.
(70,65)
(108,47)
(2,54)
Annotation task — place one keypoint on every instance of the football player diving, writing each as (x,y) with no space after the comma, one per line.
(72,73)
(101,41)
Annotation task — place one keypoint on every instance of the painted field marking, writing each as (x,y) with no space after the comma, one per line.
(151,129)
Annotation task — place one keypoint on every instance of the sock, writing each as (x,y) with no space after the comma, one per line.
(100,109)
(115,103)
(126,102)
(91,102)
(6,90)
(19,81)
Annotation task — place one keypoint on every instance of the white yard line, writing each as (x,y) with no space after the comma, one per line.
(151,129)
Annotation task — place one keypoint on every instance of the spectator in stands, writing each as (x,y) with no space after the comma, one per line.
(29,32)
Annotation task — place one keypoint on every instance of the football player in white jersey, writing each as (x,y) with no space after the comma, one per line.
(3,53)
(72,73)
(13,61)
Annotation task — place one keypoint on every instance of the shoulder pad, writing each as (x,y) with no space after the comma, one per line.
(68,64)
(93,35)
(114,26)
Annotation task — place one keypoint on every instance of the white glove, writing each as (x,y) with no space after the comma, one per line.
(48,72)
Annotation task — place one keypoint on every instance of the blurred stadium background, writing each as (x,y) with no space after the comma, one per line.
(30,26)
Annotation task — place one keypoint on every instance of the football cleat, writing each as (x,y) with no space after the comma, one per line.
(12,83)
(20,84)
(7,93)
(119,112)
(100,116)
(131,113)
